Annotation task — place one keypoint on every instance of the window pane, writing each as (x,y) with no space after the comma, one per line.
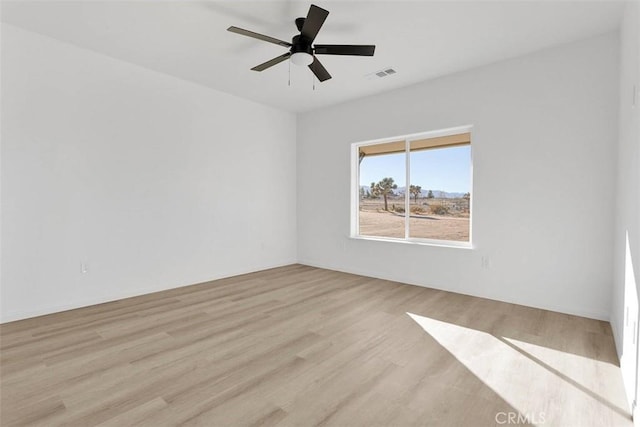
(381,202)
(440,182)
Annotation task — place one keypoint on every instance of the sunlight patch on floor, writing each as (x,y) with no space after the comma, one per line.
(543,383)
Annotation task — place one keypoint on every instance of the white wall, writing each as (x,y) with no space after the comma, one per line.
(545,129)
(627,256)
(152,181)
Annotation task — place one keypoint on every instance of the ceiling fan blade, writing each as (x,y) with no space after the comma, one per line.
(315,18)
(344,49)
(321,73)
(272,62)
(258,36)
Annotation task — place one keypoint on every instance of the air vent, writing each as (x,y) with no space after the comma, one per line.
(381,73)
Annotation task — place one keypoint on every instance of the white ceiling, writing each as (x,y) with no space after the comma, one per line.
(420,39)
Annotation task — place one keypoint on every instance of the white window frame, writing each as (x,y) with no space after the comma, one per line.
(355,189)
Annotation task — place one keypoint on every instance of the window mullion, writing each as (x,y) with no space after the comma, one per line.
(407,211)
(355,227)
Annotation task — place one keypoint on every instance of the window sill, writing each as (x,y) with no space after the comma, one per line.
(419,242)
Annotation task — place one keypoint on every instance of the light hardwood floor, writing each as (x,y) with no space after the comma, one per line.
(304,346)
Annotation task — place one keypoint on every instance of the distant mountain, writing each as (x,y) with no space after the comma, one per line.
(423,194)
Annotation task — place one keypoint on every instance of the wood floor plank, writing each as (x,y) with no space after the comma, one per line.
(302,346)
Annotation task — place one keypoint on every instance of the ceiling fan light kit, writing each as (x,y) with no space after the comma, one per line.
(302,58)
(302,51)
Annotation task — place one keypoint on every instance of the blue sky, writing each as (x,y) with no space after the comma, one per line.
(445,169)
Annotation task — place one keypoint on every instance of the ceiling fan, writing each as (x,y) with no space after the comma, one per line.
(302,51)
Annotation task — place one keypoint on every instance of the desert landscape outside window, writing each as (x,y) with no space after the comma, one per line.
(427,176)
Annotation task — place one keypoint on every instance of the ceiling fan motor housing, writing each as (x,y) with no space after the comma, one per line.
(300,43)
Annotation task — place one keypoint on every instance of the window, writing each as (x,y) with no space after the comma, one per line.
(427,175)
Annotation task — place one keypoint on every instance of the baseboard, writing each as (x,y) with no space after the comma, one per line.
(13,316)
(368,273)
(614,330)
(19,315)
